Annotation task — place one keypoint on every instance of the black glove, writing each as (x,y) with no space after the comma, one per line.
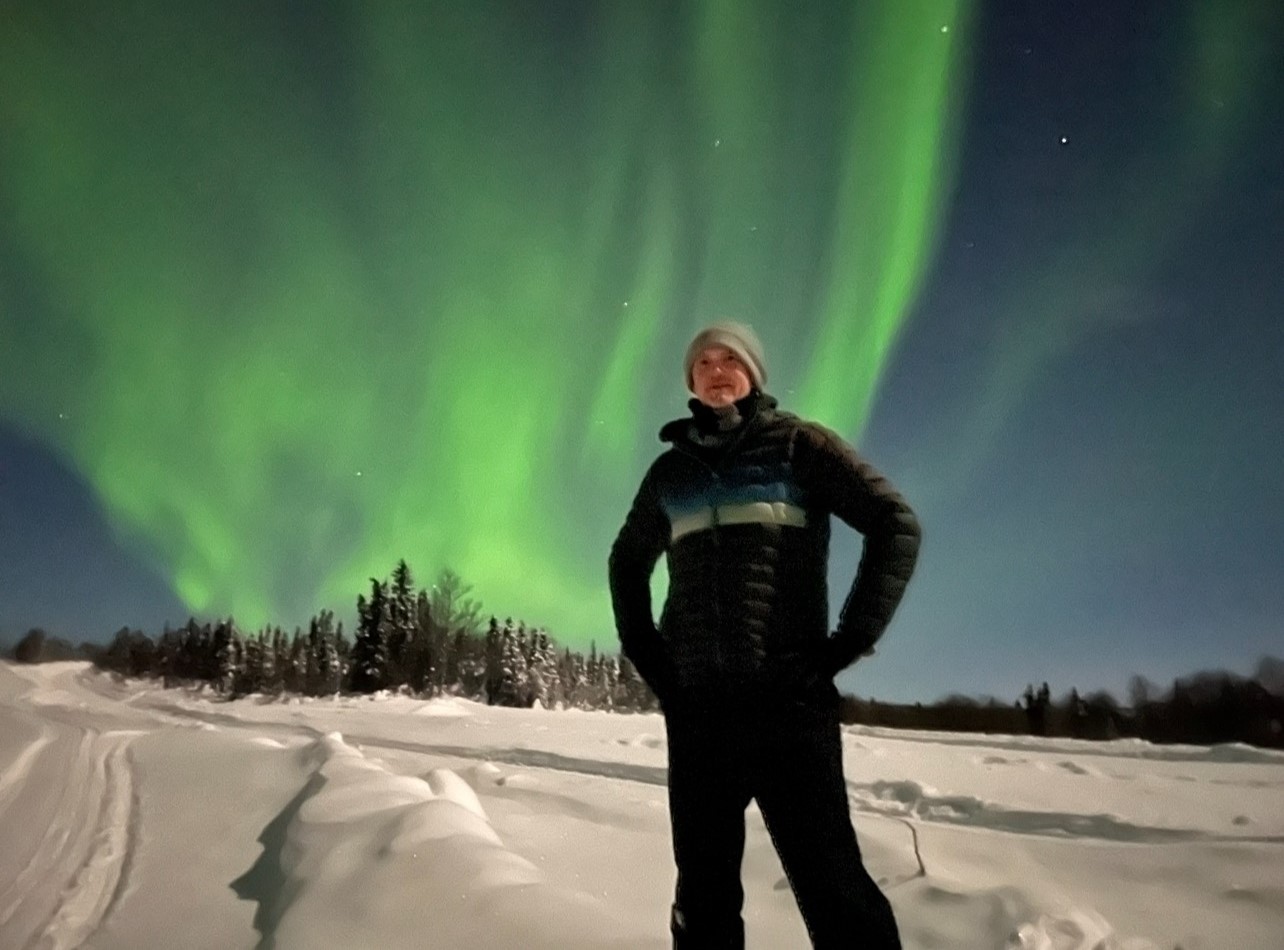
(836,654)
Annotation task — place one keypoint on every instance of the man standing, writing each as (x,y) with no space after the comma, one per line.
(742,660)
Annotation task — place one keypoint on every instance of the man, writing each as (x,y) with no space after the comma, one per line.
(741,659)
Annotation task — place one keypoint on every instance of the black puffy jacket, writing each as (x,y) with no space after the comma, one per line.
(745,526)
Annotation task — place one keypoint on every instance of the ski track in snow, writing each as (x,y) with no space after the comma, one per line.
(12,780)
(81,857)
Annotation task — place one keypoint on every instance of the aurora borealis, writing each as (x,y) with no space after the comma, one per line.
(295,290)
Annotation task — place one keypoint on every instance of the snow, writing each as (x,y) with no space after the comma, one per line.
(135,817)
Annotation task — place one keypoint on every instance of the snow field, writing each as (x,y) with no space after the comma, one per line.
(136,817)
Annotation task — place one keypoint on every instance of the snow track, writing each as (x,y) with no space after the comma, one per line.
(66,804)
(908,799)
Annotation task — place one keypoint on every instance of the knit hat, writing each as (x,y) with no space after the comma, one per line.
(737,337)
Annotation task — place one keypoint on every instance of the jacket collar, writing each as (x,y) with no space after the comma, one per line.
(705,423)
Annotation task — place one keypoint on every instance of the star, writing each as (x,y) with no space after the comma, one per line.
(1064,140)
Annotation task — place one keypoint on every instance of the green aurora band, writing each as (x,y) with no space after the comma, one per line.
(299,295)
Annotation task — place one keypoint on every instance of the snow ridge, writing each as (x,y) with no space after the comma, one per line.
(910,799)
(397,860)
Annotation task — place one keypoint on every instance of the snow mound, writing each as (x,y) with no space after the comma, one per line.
(1074,930)
(366,858)
(1009,918)
(267,742)
(449,707)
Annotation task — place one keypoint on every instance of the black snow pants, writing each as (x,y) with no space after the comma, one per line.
(790,760)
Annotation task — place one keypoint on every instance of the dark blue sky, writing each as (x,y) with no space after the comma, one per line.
(1085,407)
(1088,405)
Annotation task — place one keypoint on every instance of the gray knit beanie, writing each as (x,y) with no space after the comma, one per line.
(737,337)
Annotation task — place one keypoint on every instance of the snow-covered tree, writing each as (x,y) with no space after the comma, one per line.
(250,679)
(280,653)
(514,682)
(636,695)
(344,649)
(466,666)
(299,658)
(573,673)
(229,653)
(545,683)
(324,666)
(269,672)
(608,672)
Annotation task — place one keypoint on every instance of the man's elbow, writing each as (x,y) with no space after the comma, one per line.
(620,563)
(627,567)
(905,532)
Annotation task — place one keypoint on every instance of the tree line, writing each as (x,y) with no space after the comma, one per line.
(424,642)
(433,642)
(1205,708)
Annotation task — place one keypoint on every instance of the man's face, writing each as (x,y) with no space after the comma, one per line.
(719,378)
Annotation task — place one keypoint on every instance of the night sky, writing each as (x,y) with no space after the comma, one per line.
(289,291)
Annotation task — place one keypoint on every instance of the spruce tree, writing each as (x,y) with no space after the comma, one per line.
(323,656)
(432,647)
(452,607)
(168,656)
(593,697)
(513,679)
(331,667)
(227,649)
(467,673)
(369,664)
(403,622)
(610,678)
(524,691)
(187,665)
(268,674)
(545,682)
(576,676)
(492,662)
(251,678)
(280,652)
(207,655)
(638,695)
(299,660)
(344,649)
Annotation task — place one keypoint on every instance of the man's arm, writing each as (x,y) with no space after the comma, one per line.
(638,546)
(851,488)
